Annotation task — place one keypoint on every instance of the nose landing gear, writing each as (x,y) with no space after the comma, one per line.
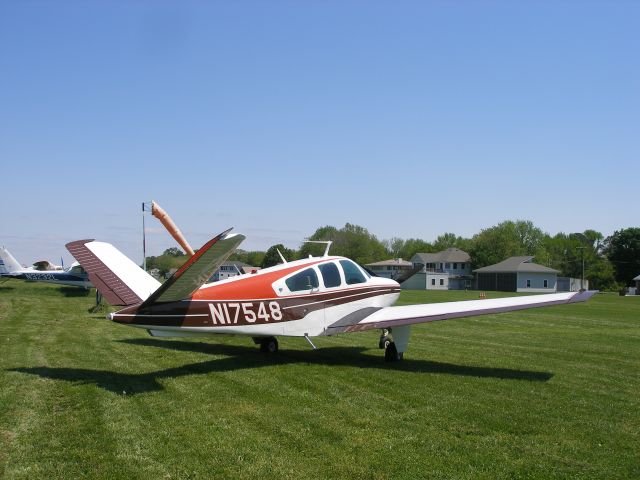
(391,353)
(385,339)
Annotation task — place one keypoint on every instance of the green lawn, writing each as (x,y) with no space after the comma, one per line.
(547,393)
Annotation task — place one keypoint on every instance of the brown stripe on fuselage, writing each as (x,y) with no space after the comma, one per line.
(221,313)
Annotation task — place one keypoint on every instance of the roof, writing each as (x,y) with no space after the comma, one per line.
(237,263)
(448,255)
(393,261)
(637,278)
(516,265)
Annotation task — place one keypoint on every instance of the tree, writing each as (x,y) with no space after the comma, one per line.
(567,252)
(271,256)
(351,241)
(413,246)
(253,258)
(508,239)
(444,241)
(623,250)
(394,246)
(173,252)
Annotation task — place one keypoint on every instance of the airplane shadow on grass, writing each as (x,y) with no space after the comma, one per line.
(240,357)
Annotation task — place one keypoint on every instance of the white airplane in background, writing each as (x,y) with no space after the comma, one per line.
(312,297)
(43,271)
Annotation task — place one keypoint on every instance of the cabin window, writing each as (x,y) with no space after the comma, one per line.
(528,283)
(330,275)
(304,280)
(433,282)
(546,284)
(442,281)
(352,273)
(455,266)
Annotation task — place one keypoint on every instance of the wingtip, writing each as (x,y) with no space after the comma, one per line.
(583,296)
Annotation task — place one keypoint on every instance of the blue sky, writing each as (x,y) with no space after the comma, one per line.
(409,118)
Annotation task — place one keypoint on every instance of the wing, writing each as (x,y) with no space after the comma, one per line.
(197,270)
(386,317)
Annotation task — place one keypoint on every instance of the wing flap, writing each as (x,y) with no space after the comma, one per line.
(197,270)
(431,312)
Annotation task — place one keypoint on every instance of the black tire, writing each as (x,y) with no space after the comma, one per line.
(391,353)
(269,345)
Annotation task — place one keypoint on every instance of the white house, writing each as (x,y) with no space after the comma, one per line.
(449,269)
(231,269)
(517,274)
(395,268)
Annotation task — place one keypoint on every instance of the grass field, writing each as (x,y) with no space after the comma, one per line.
(546,393)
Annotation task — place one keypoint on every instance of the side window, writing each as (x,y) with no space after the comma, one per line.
(330,275)
(305,280)
(352,273)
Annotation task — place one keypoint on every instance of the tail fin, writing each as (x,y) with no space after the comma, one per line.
(8,263)
(116,277)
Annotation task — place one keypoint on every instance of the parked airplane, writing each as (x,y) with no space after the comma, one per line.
(312,297)
(43,271)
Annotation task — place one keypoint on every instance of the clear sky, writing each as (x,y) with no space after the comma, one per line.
(277,117)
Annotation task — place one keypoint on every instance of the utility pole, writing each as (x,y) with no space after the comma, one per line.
(582,258)
(586,240)
(145,208)
(144,243)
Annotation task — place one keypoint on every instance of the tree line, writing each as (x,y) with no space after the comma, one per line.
(609,263)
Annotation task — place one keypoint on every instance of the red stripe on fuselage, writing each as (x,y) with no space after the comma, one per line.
(255,286)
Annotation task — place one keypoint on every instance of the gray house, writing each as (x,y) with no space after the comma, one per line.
(517,274)
(449,269)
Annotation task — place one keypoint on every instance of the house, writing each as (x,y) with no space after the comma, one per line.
(637,280)
(449,269)
(231,269)
(569,284)
(394,269)
(517,274)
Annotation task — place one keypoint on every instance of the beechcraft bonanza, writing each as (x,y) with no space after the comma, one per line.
(316,296)
(43,271)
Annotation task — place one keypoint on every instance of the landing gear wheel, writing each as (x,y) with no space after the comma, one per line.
(269,345)
(391,353)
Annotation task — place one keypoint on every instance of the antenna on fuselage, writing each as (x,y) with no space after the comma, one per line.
(327,242)
(284,260)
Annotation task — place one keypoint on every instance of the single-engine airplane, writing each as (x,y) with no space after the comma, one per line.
(312,297)
(43,271)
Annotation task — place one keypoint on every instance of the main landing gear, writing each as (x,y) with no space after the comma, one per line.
(267,344)
(391,353)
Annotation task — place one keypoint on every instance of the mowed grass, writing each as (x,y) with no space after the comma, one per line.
(545,393)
